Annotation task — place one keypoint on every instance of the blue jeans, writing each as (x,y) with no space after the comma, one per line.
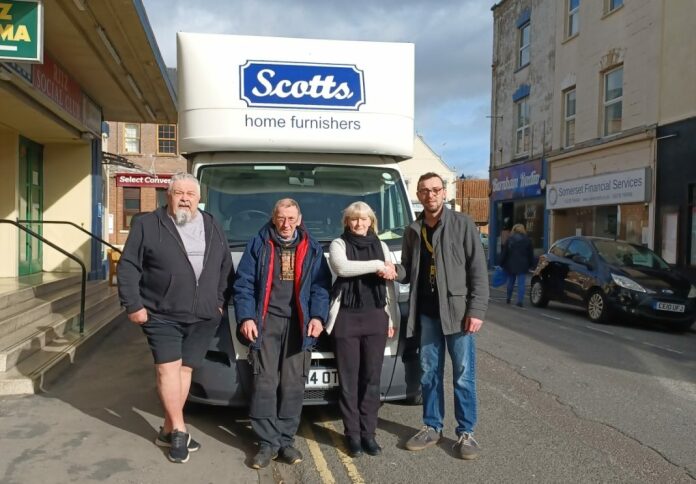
(521,279)
(462,350)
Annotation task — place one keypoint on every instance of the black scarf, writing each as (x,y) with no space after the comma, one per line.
(355,290)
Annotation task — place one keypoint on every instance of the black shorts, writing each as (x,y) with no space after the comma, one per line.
(171,341)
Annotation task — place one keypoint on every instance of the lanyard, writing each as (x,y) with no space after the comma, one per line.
(433,271)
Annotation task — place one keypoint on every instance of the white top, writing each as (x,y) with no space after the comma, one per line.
(351,268)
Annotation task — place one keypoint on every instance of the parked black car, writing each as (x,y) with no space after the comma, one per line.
(613,277)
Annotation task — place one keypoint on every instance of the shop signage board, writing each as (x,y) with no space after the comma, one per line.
(142,180)
(517,181)
(632,186)
(21,30)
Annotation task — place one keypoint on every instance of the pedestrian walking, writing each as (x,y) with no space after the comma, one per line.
(516,259)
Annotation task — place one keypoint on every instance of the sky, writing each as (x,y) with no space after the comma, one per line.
(453,40)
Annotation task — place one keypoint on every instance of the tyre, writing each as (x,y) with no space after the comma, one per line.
(597,308)
(537,294)
(415,399)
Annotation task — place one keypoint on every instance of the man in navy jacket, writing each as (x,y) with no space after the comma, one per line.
(281,300)
(173,280)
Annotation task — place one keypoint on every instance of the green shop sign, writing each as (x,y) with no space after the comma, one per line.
(21,30)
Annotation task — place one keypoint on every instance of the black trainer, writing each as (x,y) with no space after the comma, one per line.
(370,446)
(178,449)
(263,457)
(290,455)
(354,447)
(165,440)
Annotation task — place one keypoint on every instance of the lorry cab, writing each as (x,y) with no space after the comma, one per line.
(323,123)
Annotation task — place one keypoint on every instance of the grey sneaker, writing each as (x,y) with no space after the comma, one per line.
(426,437)
(165,440)
(466,447)
(178,451)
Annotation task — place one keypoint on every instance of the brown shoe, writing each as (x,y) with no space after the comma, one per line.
(426,437)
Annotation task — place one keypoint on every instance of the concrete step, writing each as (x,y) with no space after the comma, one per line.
(25,313)
(34,373)
(40,333)
(16,291)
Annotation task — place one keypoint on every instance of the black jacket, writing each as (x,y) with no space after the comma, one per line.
(517,256)
(154,271)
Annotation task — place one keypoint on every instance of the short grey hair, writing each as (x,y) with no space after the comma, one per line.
(286,202)
(183,176)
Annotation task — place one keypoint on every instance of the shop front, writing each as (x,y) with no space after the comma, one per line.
(612,205)
(517,198)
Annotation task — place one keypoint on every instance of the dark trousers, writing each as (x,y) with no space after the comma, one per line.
(279,379)
(359,340)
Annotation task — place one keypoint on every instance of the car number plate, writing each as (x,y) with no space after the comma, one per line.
(675,308)
(322,378)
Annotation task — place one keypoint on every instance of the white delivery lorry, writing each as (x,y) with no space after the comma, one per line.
(321,121)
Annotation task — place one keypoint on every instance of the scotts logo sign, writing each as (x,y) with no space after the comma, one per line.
(308,86)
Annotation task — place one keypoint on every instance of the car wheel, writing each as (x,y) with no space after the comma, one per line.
(597,309)
(537,294)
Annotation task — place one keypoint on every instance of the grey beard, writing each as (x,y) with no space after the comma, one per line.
(182,216)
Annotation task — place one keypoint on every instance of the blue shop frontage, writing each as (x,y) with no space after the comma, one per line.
(517,197)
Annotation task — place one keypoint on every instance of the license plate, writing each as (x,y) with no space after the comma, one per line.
(322,378)
(675,308)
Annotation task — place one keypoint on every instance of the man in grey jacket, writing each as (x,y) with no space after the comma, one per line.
(444,262)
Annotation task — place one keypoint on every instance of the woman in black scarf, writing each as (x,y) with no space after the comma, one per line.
(361,317)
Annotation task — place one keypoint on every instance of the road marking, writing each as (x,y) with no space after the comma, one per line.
(550,317)
(346,460)
(599,330)
(662,348)
(319,460)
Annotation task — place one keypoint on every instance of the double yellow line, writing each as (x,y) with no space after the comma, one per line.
(320,461)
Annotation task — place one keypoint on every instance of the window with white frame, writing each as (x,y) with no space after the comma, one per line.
(522,127)
(573,25)
(131,138)
(166,139)
(611,5)
(569,117)
(524,33)
(613,101)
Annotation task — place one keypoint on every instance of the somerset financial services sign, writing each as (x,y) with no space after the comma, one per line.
(614,188)
(21,30)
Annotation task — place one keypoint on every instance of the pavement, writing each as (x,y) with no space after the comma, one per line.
(98,423)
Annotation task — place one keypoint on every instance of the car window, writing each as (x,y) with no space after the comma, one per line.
(559,248)
(581,248)
(623,254)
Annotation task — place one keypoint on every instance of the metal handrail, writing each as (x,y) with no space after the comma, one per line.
(65,222)
(67,254)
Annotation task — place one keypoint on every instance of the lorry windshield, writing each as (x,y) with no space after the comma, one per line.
(242,196)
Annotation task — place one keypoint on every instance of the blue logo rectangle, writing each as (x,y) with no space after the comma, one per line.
(302,85)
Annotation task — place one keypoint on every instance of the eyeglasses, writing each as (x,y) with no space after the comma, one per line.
(282,220)
(179,193)
(424,192)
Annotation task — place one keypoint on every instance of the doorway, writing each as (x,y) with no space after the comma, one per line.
(30,205)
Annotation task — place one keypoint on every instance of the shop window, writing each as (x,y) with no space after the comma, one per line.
(670,229)
(613,101)
(692,225)
(524,45)
(131,205)
(522,127)
(166,139)
(569,118)
(573,23)
(161,197)
(131,142)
